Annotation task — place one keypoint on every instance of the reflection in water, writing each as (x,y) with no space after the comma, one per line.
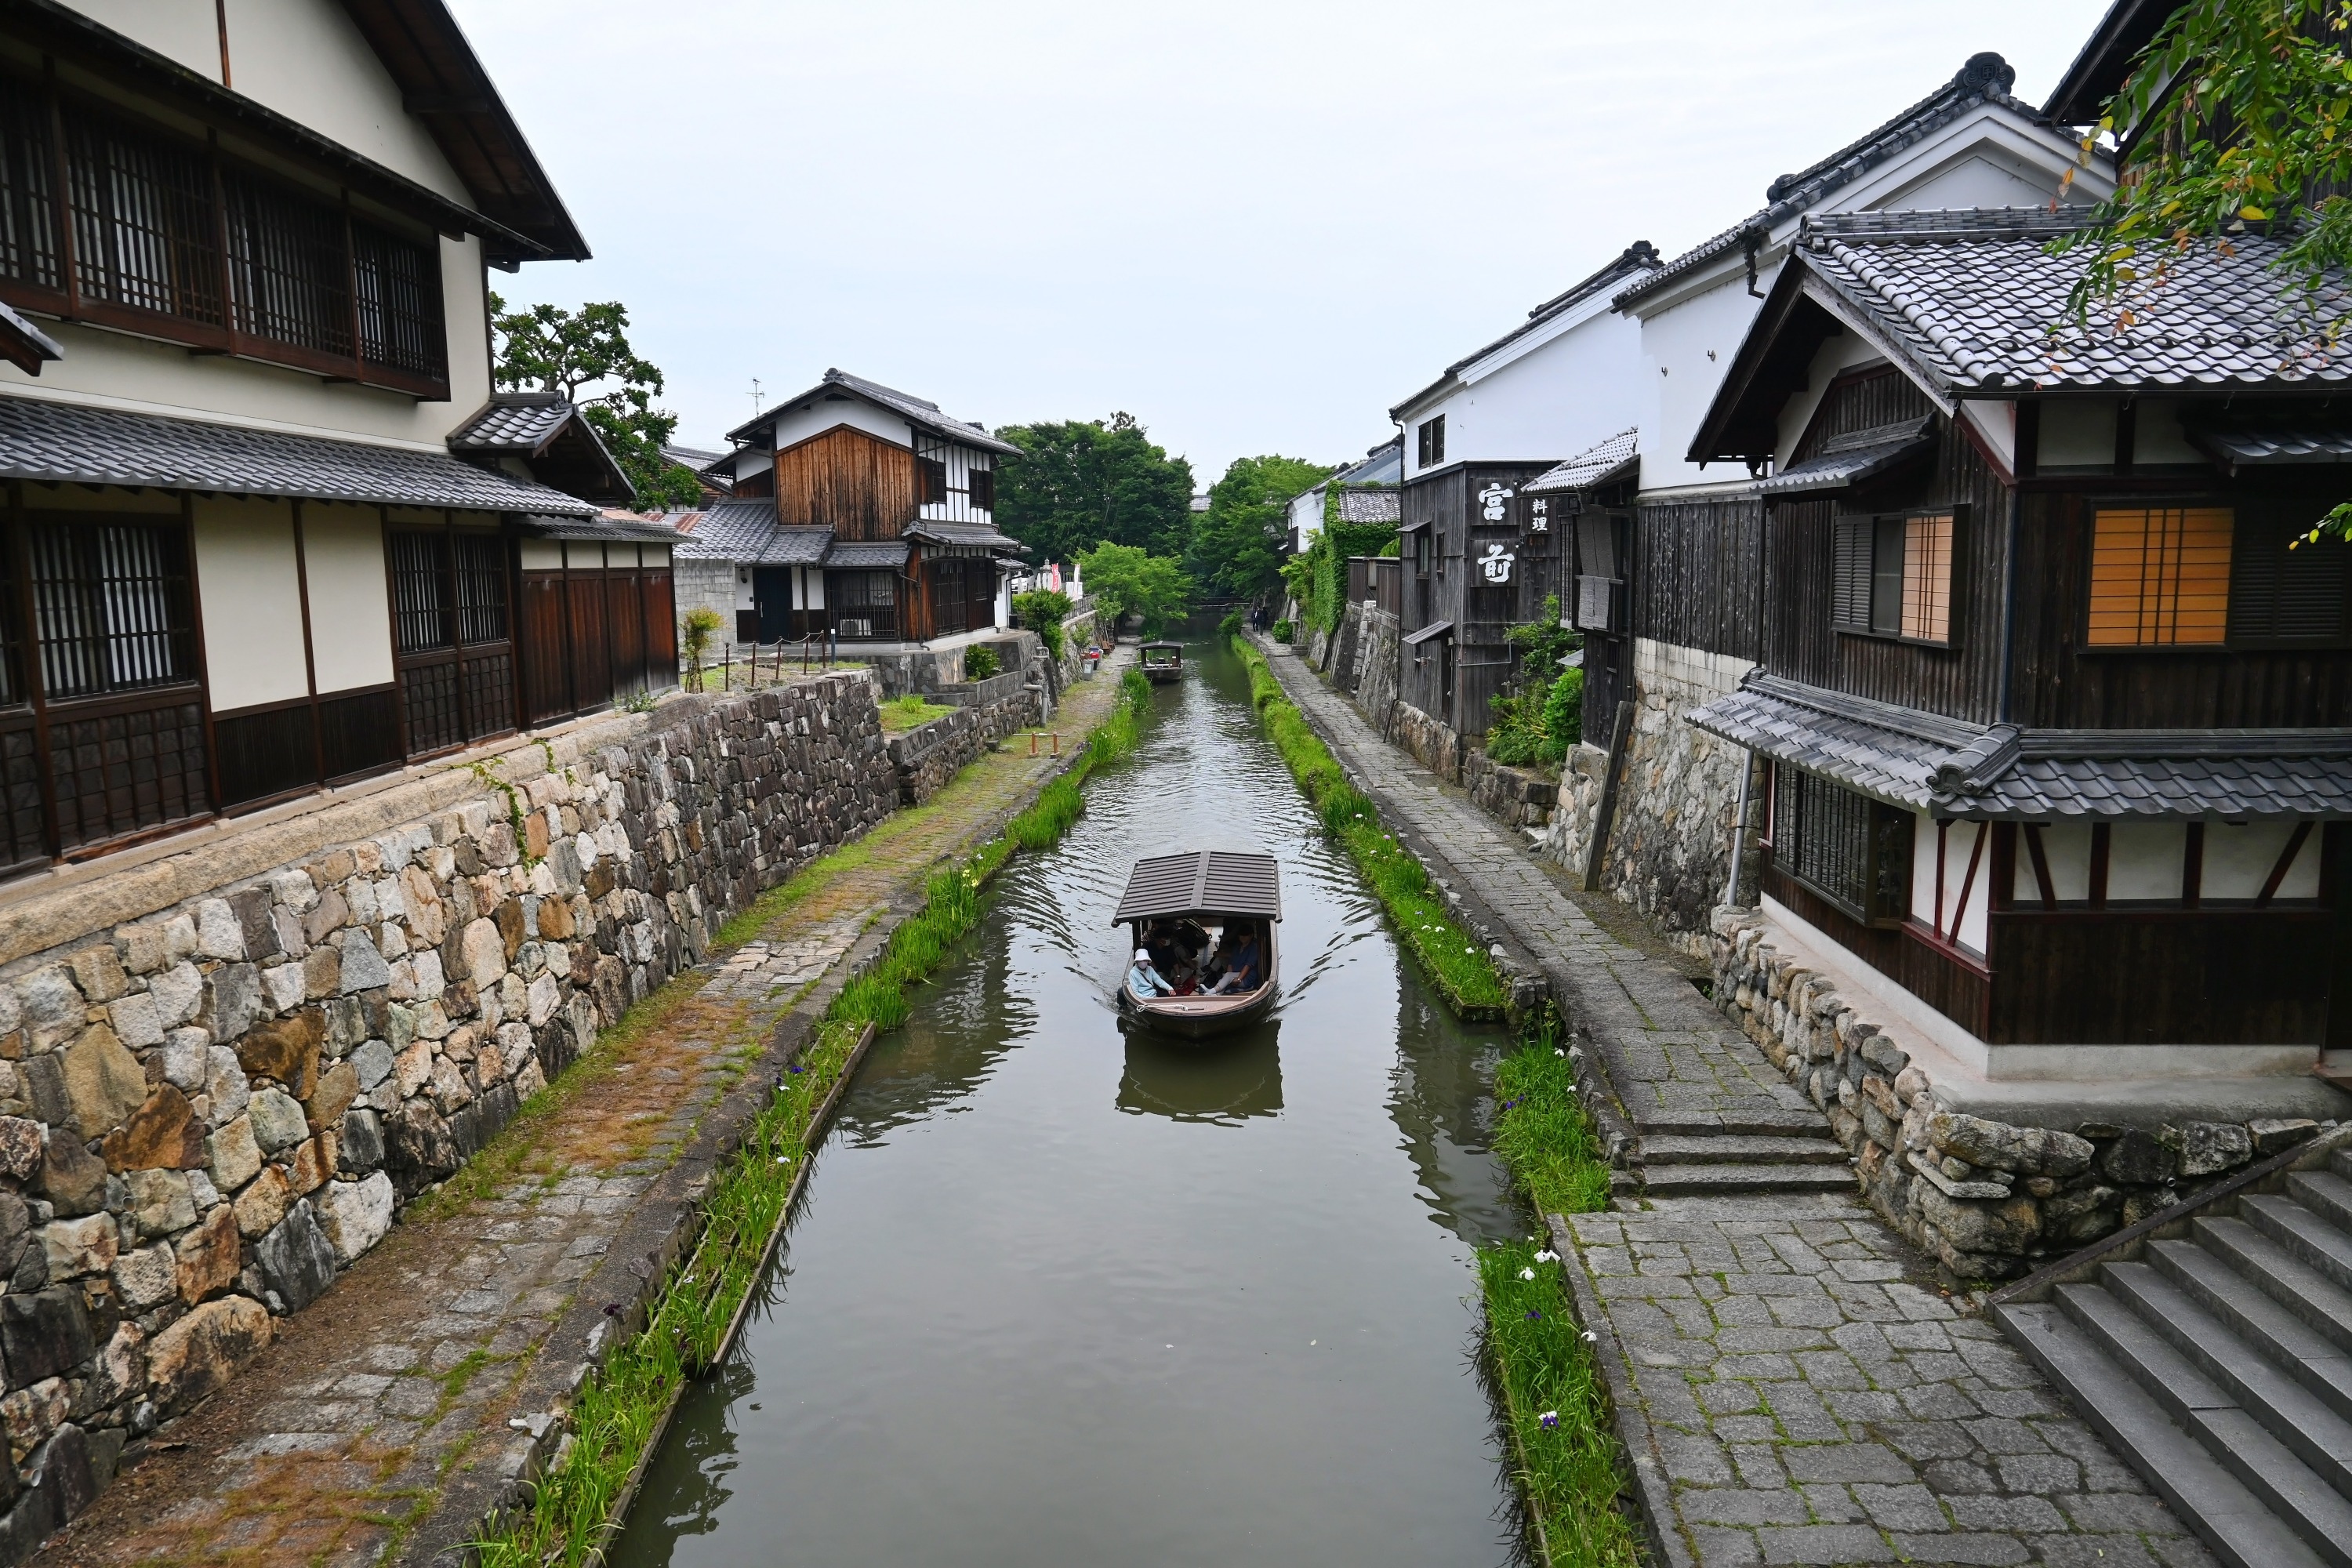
(1056,1296)
(1224,1079)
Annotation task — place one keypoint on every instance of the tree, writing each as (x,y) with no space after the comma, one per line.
(1237,543)
(1082,482)
(550,349)
(1126,580)
(2239,113)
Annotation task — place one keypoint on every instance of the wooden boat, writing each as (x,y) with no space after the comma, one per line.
(1163,661)
(1181,901)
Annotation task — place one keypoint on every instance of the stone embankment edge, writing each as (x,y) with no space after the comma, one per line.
(1522,967)
(1637,1446)
(664,1225)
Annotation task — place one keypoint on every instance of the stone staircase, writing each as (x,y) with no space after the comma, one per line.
(1758,1152)
(2216,1355)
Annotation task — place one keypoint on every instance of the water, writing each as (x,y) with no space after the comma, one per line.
(1061,1295)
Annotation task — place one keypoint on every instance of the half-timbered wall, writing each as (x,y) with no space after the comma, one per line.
(846,479)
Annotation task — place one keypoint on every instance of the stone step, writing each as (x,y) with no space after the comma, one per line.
(2324,1194)
(2226,1429)
(1763,1123)
(2240,1526)
(1738,1149)
(2317,1243)
(2314,1359)
(2341,1162)
(2319,1302)
(1728,1181)
(2269,1392)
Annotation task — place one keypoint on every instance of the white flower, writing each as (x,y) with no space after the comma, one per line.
(1547,1256)
(1589,1337)
(1527,1273)
(1557,1052)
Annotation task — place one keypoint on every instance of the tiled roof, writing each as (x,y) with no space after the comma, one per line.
(731,530)
(620,527)
(1848,459)
(794,547)
(1601,461)
(2001,773)
(1370,506)
(522,422)
(867,553)
(966,534)
(66,443)
(694,458)
(917,411)
(1973,302)
(1984,79)
(2287,440)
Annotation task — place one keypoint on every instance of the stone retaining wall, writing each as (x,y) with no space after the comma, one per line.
(1988,1199)
(209,1110)
(1670,837)
(927,757)
(1378,666)
(1517,798)
(1433,744)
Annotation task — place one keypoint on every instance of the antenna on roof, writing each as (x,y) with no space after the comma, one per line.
(756,395)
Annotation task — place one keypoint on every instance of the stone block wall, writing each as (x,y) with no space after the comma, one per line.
(1518,797)
(927,757)
(1670,836)
(209,1110)
(1988,1199)
(1378,666)
(1433,744)
(1568,837)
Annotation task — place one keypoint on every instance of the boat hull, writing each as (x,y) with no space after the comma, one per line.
(1197,1017)
(1161,675)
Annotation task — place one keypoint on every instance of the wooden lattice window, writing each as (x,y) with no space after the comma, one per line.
(983,489)
(930,481)
(1894,576)
(111,607)
(29,230)
(1849,848)
(2159,576)
(142,218)
(420,592)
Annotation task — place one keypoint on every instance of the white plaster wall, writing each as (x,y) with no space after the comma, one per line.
(1686,349)
(2077,433)
(2145,860)
(2066,847)
(962,462)
(252,601)
(1842,352)
(1983,179)
(305,59)
(74,498)
(1996,423)
(1959,842)
(350,615)
(187,31)
(2239,858)
(542,555)
(1568,389)
(2157,438)
(795,424)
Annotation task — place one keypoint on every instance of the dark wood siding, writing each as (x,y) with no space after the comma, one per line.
(2057,681)
(859,486)
(546,644)
(1697,578)
(2160,977)
(1961,680)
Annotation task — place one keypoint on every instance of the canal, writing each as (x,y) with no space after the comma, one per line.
(1058,1296)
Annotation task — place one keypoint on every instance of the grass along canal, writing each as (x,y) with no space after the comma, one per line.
(1058,1295)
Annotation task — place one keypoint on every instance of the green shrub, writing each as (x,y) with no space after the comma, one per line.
(1043,611)
(1283,630)
(1230,626)
(980,663)
(1563,714)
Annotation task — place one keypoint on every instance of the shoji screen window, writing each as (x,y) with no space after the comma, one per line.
(2159,576)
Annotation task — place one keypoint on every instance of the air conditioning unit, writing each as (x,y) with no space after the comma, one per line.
(849,627)
(1596,604)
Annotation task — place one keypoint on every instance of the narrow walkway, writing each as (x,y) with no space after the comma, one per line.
(382,1421)
(1789,1384)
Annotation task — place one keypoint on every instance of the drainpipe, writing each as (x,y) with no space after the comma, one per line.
(1738,829)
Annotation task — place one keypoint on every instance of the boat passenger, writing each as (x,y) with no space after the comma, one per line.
(1143,978)
(1242,967)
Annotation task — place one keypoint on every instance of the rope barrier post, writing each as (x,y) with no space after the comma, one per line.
(1057,742)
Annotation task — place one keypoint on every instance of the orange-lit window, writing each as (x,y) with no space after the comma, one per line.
(2159,576)
(1927,579)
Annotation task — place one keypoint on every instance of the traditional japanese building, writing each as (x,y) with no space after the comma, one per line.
(267,527)
(859,511)
(2058,717)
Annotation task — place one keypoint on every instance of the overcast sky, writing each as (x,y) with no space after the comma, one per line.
(1253,223)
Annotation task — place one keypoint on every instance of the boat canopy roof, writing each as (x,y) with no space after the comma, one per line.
(1163,647)
(1202,883)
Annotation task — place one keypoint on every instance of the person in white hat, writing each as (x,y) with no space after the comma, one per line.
(1143,977)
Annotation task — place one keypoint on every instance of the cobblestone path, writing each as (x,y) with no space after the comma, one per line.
(382,1417)
(1789,1382)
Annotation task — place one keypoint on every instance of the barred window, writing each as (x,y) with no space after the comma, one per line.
(111,607)
(142,218)
(288,277)
(1844,845)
